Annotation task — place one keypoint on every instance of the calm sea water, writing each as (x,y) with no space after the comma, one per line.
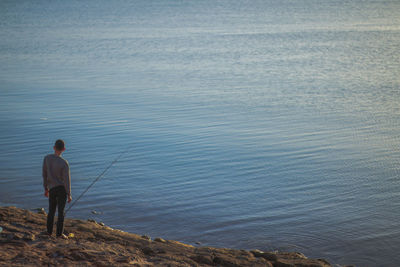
(249,124)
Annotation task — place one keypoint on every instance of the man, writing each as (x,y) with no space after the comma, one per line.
(57,186)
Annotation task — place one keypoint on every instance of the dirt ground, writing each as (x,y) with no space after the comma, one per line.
(24,242)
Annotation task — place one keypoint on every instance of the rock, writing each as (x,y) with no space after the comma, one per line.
(224,260)
(41,211)
(266,255)
(101,223)
(159,239)
(292,255)
(18,236)
(161,251)
(300,263)
(148,251)
(203,259)
(9,236)
(257,252)
(198,243)
(29,237)
(92,221)
(125,259)
(327,263)
(269,256)
(14,236)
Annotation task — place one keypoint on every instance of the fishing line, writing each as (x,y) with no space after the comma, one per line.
(97,178)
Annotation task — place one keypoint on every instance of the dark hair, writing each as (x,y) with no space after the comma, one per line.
(59,145)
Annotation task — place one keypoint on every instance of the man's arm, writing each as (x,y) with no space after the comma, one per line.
(67,181)
(44,174)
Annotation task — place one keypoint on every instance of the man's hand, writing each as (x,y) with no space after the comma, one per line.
(69,198)
(46,193)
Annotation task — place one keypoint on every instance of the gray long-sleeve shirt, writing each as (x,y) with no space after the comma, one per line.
(56,172)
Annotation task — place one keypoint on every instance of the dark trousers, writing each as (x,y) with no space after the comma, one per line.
(57,199)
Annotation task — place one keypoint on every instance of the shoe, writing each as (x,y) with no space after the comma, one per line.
(45,233)
(62,236)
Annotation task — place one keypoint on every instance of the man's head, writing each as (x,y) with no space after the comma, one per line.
(59,145)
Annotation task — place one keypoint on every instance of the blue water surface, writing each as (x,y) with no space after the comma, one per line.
(269,125)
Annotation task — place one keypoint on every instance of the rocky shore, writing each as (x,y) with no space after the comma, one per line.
(24,242)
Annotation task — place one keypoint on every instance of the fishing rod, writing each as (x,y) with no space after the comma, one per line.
(97,178)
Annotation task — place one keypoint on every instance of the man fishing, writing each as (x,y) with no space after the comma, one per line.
(57,187)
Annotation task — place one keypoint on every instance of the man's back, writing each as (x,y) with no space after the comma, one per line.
(56,172)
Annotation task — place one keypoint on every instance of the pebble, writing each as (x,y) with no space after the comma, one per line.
(91,220)
(41,211)
(159,239)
